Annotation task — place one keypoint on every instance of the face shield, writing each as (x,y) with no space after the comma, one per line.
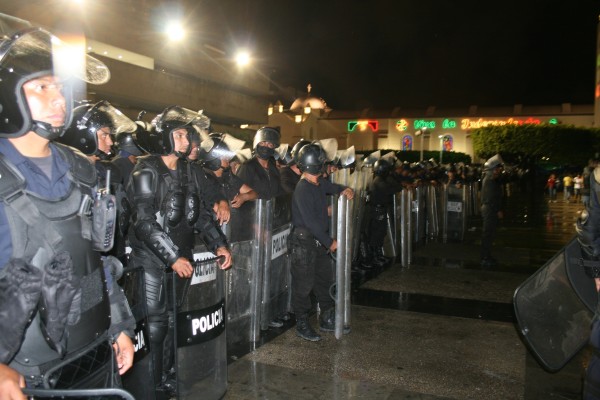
(35,53)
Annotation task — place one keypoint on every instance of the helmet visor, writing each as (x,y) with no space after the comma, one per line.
(108,115)
(35,50)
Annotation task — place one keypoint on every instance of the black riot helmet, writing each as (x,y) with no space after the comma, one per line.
(219,146)
(88,119)
(171,119)
(296,149)
(34,53)
(311,158)
(266,134)
(382,167)
(127,141)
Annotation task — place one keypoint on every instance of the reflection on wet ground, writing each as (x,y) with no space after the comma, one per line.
(464,308)
(443,327)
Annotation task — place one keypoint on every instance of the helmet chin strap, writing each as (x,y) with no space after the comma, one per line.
(46,130)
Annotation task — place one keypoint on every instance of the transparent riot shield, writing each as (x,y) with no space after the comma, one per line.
(454,221)
(200,340)
(343,234)
(404,203)
(418,214)
(554,308)
(358,181)
(276,295)
(139,380)
(244,280)
(433,222)
(390,243)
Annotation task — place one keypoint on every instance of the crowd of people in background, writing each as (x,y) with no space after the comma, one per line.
(574,185)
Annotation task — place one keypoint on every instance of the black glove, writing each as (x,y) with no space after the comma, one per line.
(59,287)
(20,288)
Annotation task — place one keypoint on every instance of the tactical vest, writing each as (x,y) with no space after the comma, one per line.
(177,201)
(41,228)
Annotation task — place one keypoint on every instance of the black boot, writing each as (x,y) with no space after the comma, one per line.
(327,320)
(305,331)
(378,256)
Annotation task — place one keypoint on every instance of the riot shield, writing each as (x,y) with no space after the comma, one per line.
(454,222)
(200,340)
(432,224)
(276,300)
(343,234)
(244,280)
(553,308)
(139,380)
(405,222)
(418,214)
(390,242)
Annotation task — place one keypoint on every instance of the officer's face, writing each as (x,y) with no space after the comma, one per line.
(498,171)
(104,139)
(181,140)
(46,101)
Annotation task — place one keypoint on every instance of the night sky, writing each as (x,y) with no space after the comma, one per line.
(383,54)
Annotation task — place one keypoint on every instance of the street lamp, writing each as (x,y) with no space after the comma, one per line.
(441,147)
(421,132)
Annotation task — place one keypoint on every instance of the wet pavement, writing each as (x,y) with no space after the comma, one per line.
(443,328)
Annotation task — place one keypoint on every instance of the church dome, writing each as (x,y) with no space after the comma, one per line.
(315,103)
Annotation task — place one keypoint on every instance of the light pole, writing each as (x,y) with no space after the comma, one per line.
(421,132)
(441,147)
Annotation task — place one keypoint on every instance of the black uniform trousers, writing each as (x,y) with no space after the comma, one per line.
(312,270)
(488,233)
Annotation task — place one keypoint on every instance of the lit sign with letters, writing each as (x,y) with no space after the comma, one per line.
(421,123)
(467,123)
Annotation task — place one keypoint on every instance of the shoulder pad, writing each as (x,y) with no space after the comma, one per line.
(144,183)
(82,168)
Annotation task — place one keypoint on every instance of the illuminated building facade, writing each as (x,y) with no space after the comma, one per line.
(428,129)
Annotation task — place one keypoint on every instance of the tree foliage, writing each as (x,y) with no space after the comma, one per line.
(560,144)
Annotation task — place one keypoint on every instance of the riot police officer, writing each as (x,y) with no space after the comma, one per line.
(92,131)
(382,189)
(128,150)
(214,154)
(260,172)
(311,244)
(172,199)
(49,269)
(290,174)
(491,207)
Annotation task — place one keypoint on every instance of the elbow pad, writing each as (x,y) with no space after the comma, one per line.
(157,241)
(210,233)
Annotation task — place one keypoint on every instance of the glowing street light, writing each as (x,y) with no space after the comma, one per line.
(242,58)
(175,31)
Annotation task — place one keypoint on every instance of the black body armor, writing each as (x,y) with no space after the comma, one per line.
(39,231)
